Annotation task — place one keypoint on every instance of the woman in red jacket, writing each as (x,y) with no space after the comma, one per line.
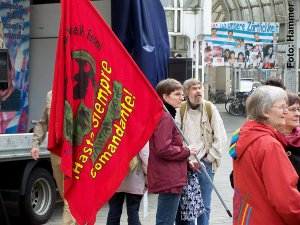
(167,165)
(291,132)
(265,182)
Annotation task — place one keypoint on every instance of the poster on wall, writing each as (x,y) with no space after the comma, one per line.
(14,39)
(242,44)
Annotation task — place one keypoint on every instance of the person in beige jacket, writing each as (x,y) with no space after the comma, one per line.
(207,134)
(39,135)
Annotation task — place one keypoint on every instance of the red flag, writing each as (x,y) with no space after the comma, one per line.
(103,109)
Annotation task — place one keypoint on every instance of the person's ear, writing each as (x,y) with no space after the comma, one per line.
(266,113)
(165,97)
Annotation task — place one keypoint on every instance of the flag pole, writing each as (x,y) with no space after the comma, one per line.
(202,166)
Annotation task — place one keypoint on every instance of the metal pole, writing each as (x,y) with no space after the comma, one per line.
(202,166)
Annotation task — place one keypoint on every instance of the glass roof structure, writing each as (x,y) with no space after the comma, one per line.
(249,10)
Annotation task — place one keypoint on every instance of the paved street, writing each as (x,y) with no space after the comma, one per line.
(219,215)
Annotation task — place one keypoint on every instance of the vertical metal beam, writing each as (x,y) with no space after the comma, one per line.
(250,10)
(285,6)
(219,15)
(237,8)
(273,9)
(261,10)
(225,9)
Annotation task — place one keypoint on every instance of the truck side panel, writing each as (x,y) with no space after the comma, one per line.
(43,32)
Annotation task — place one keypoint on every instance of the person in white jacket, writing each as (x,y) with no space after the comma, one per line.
(203,127)
(132,189)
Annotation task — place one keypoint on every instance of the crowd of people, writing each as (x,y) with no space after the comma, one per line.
(266,180)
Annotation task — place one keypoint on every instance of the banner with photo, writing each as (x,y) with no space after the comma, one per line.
(14,62)
(249,45)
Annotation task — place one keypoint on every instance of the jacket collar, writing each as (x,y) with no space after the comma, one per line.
(171,109)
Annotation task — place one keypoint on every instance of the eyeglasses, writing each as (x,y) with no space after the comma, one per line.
(283,107)
(294,110)
(179,95)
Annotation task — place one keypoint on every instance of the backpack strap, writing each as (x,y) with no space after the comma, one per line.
(133,163)
(182,110)
(208,110)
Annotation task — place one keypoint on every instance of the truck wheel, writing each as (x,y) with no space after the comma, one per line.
(38,203)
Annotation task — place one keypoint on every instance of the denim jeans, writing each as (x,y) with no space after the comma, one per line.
(206,190)
(116,205)
(167,206)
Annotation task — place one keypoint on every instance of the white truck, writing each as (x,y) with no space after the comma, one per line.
(27,188)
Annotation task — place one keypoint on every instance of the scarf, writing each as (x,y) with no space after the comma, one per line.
(293,138)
